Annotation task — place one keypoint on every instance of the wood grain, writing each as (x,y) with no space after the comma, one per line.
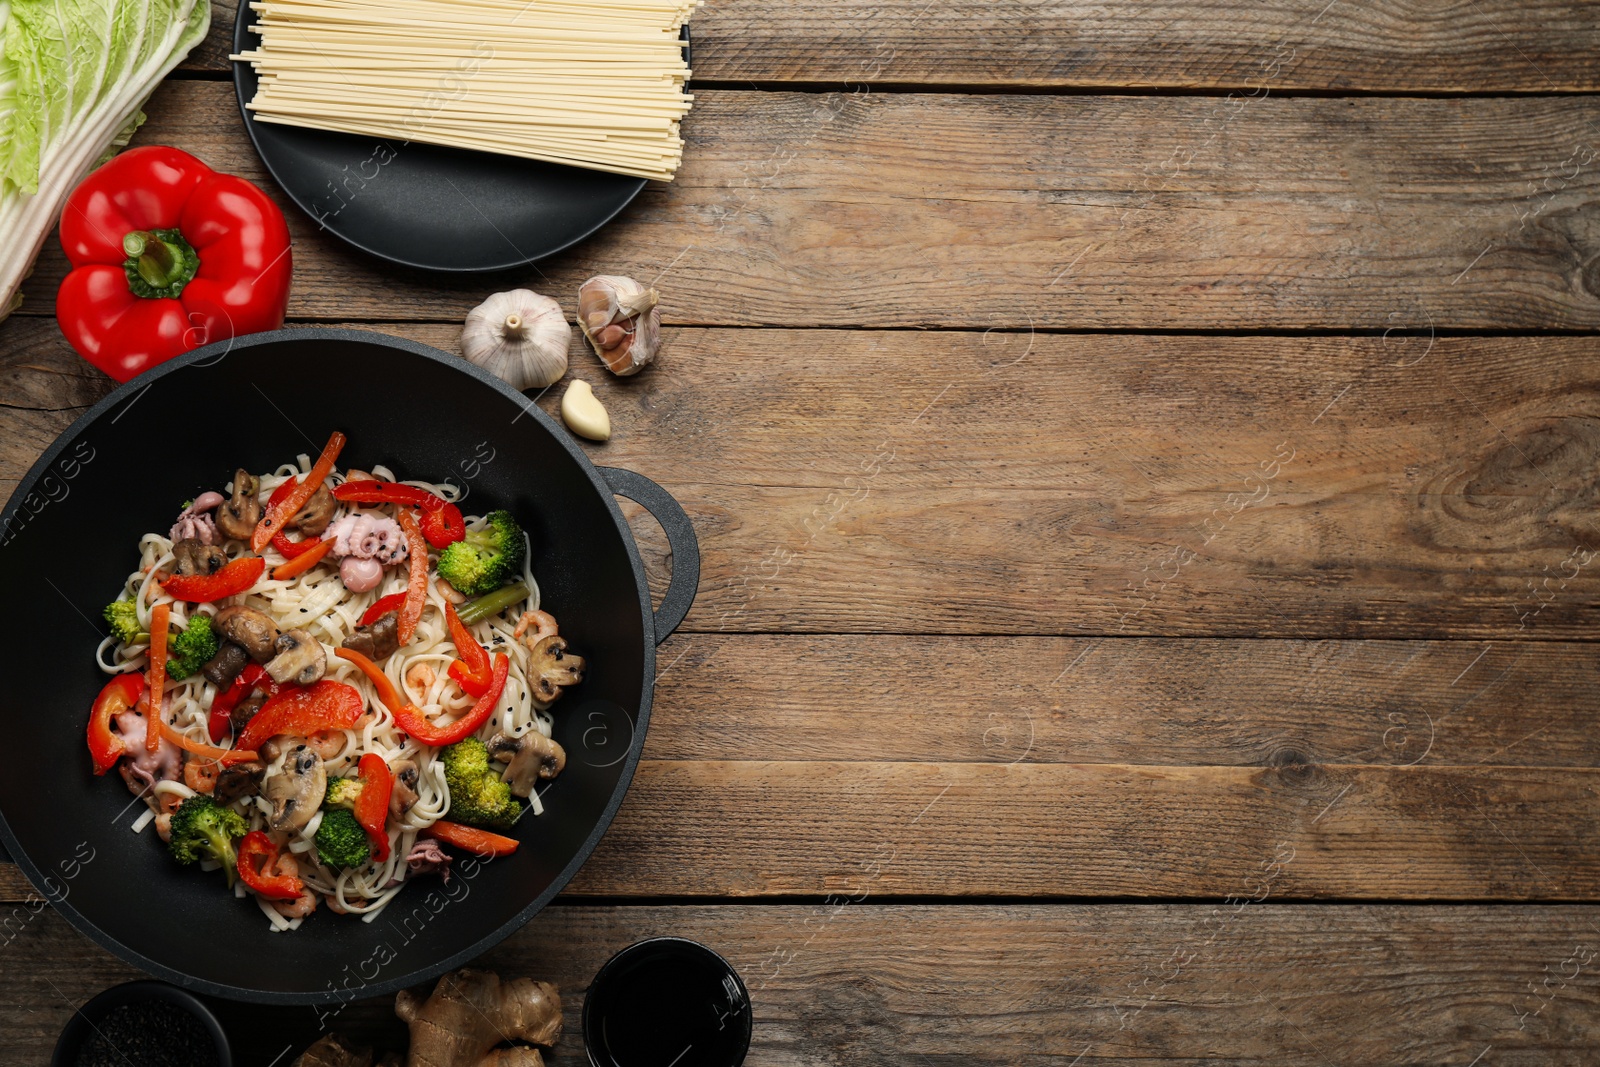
(1082,212)
(998,483)
(1154,986)
(1539,46)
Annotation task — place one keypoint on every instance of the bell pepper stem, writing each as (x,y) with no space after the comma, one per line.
(160,262)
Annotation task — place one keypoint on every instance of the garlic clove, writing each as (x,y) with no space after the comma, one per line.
(518,336)
(583,413)
(621,320)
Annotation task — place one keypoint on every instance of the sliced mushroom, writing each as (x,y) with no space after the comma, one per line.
(404,793)
(296,790)
(241,779)
(238,515)
(194,556)
(314,516)
(534,758)
(553,667)
(252,630)
(220,670)
(300,658)
(244,711)
(378,640)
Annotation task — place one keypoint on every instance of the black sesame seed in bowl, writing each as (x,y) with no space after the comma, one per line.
(143,1024)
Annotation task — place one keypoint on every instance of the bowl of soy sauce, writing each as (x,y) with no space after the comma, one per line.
(667,1002)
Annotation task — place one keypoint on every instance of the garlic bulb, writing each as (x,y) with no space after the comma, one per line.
(620,318)
(519,336)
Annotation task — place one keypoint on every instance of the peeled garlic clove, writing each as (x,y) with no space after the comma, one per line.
(519,336)
(621,321)
(583,413)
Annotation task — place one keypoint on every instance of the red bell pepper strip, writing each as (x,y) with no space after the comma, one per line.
(471,838)
(280,540)
(231,580)
(416,579)
(444,526)
(304,710)
(372,806)
(224,756)
(168,255)
(472,672)
(381,607)
(119,694)
(254,676)
(303,561)
(273,519)
(410,719)
(160,618)
(365,491)
(258,855)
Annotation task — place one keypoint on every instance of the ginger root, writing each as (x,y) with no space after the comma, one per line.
(332,1050)
(470,1012)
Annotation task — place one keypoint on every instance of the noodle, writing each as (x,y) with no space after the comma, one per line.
(317,601)
(588,83)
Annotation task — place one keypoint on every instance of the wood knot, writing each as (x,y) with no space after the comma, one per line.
(1531,488)
(1294,767)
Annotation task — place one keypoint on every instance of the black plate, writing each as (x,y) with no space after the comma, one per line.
(68,538)
(427,206)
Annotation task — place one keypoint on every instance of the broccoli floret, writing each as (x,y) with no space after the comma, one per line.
(123,615)
(477,795)
(485,559)
(189,651)
(343,792)
(341,842)
(202,828)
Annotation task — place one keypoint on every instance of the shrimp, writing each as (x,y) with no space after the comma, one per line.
(305,903)
(164,827)
(420,676)
(201,774)
(166,805)
(545,622)
(327,745)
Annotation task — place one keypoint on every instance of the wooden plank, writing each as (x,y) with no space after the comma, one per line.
(1152,986)
(1077,830)
(853,481)
(1538,46)
(1080,212)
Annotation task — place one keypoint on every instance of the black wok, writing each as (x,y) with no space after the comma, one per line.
(69,536)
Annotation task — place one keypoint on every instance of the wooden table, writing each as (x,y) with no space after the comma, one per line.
(1145,462)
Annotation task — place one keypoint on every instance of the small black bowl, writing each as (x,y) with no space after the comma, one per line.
(84,1021)
(667,1000)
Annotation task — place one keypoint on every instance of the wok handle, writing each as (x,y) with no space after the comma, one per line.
(680,538)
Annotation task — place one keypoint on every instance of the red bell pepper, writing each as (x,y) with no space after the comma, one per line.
(304,561)
(416,577)
(258,855)
(444,526)
(382,606)
(254,676)
(160,618)
(410,718)
(277,514)
(368,491)
(238,576)
(472,672)
(304,710)
(481,842)
(119,694)
(372,805)
(280,540)
(168,255)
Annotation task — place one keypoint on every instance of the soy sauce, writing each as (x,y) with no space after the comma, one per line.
(667,1002)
